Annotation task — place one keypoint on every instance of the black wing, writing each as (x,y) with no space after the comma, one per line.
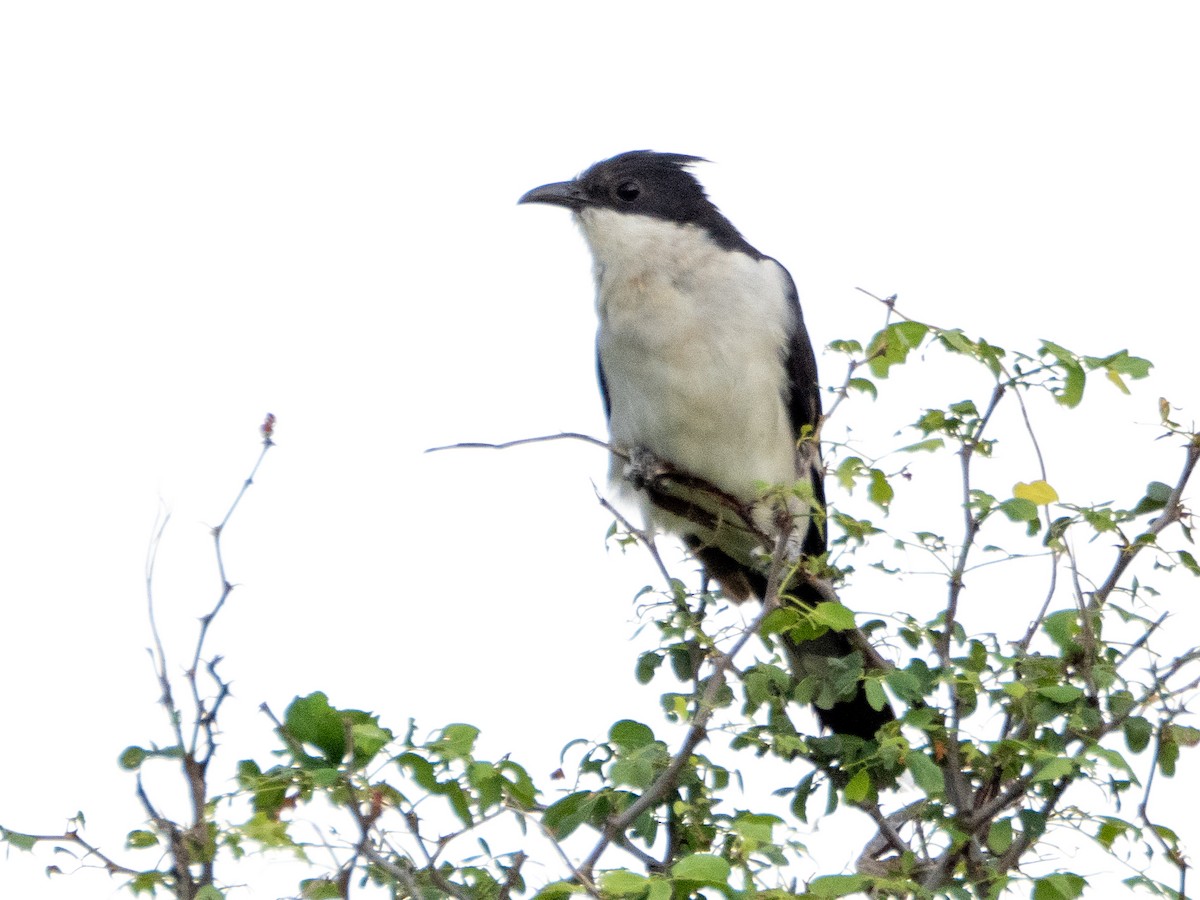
(603,384)
(804,409)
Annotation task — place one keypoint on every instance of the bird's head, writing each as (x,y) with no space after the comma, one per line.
(639,181)
(643,183)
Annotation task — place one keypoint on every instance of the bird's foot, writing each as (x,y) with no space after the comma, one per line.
(644,468)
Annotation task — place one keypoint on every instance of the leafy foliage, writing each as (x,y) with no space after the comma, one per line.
(995,734)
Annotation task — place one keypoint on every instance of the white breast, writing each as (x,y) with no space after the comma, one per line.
(693,342)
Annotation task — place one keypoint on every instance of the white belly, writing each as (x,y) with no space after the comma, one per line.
(693,341)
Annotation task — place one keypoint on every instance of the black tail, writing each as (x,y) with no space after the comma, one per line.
(840,701)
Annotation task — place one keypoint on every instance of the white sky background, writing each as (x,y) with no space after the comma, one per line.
(214,211)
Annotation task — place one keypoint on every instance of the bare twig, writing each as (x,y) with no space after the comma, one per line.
(226,588)
(159,654)
(561,436)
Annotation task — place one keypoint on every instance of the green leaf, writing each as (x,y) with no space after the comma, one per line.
(926,774)
(804,790)
(1111,829)
(311,720)
(1000,836)
(930,445)
(757,828)
(647,665)
(880,492)
(422,769)
(865,385)
(630,735)
(369,738)
(1061,693)
(1157,495)
(1014,689)
(1138,732)
(1115,761)
(622,882)
(1062,627)
(833,615)
(319,889)
(847,470)
(563,816)
(703,868)
(957,341)
(1168,755)
(132,758)
(1189,562)
(1118,364)
(1033,823)
(1120,703)
(891,346)
(558,890)
(1071,393)
(858,787)
(18,840)
(838,885)
(1060,886)
(455,741)
(876,696)
(843,346)
(1184,735)
(785,618)
(1019,509)
(518,785)
(1059,767)
(208,892)
(325,777)
(140,838)
(267,831)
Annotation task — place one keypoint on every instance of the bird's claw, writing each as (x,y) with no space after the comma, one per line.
(643,468)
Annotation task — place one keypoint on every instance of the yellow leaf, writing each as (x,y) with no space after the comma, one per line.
(1115,377)
(1038,492)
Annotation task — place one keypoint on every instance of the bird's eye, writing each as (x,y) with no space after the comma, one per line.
(628,191)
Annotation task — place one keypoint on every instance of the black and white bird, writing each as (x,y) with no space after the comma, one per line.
(705,366)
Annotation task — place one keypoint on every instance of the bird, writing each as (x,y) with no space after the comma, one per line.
(707,373)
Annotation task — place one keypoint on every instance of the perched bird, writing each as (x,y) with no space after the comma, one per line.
(707,372)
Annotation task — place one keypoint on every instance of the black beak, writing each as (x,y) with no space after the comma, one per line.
(561,193)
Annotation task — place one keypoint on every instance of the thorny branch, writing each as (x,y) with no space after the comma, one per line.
(194,760)
(67,838)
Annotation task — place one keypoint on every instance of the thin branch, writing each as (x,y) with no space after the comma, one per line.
(886,836)
(697,731)
(410,821)
(1022,646)
(513,875)
(401,873)
(1013,855)
(646,538)
(1173,511)
(561,436)
(578,875)
(72,837)
(1141,641)
(226,589)
(159,653)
